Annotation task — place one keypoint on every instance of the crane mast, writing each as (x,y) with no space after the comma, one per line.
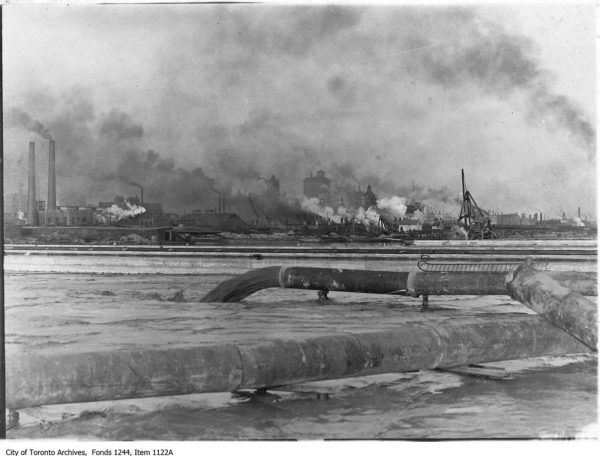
(475,221)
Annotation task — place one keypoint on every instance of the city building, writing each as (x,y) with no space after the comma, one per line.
(273,184)
(316,185)
(369,198)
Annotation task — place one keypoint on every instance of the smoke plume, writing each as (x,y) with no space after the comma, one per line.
(326,213)
(394,205)
(370,216)
(18,118)
(118,125)
(379,95)
(503,64)
(117,213)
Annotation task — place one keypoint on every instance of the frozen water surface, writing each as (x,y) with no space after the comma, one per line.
(49,313)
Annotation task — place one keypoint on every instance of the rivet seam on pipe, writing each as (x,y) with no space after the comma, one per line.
(410,282)
(442,343)
(237,349)
(282,276)
(363,347)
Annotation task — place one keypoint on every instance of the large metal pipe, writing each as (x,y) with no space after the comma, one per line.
(491,283)
(110,375)
(51,176)
(31,195)
(380,282)
(561,306)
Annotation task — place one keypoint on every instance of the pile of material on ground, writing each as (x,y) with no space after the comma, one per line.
(56,237)
(133,239)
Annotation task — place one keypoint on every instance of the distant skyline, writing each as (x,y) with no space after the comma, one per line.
(223,95)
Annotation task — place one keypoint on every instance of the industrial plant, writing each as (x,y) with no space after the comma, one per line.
(325,210)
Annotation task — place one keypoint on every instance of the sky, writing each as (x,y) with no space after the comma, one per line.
(192,99)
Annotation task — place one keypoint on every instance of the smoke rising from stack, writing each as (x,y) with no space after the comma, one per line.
(18,118)
(312,205)
(135,184)
(31,194)
(367,216)
(386,207)
(51,175)
(116,213)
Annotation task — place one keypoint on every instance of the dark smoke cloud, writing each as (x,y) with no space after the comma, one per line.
(177,188)
(20,119)
(292,31)
(568,115)
(98,160)
(119,125)
(364,70)
(344,175)
(501,63)
(379,95)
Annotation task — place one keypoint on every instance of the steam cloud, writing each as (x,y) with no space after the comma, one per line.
(327,213)
(118,213)
(394,204)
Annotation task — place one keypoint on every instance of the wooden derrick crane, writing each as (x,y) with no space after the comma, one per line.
(475,220)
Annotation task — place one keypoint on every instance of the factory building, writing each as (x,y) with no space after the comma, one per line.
(269,209)
(42,212)
(347,198)
(316,185)
(516,219)
(15,202)
(67,216)
(32,211)
(153,214)
(215,221)
(320,187)
(407,225)
(508,219)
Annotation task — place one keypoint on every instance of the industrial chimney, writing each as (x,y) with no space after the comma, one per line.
(31,202)
(579,212)
(51,177)
(135,184)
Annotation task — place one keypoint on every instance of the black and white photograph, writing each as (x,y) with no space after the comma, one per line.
(297,221)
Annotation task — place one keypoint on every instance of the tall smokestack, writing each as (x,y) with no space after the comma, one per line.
(31,202)
(51,177)
(579,212)
(135,184)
